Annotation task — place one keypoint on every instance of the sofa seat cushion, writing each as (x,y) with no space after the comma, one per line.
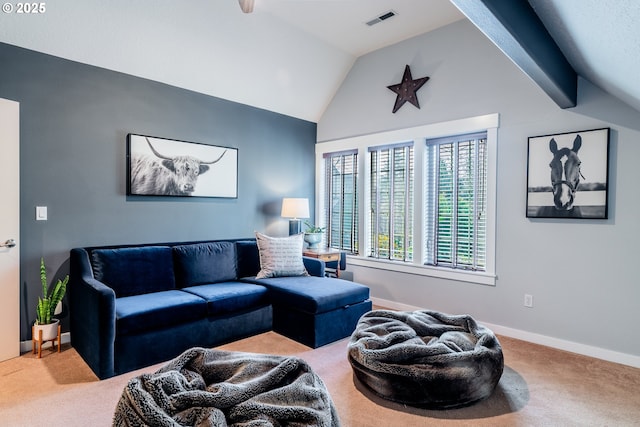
(157,310)
(313,294)
(203,263)
(229,297)
(134,271)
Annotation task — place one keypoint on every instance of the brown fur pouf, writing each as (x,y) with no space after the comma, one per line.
(425,358)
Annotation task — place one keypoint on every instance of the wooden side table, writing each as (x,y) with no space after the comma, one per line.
(324,254)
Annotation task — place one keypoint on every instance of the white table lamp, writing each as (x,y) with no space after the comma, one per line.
(295,208)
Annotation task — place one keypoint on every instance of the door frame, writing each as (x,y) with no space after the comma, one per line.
(10,229)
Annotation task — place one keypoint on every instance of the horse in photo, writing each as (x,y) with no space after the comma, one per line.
(565,173)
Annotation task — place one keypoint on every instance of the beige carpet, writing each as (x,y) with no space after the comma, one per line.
(540,387)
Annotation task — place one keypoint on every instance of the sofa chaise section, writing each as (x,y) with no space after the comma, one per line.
(315,310)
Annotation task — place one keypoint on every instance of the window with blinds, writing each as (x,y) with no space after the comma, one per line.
(456,202)
(391,200)
(341,201)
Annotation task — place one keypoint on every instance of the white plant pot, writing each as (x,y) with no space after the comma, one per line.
(313,239)
(49,332)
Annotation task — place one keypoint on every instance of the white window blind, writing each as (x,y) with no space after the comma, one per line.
(456,202)
(391,201)
(341,201)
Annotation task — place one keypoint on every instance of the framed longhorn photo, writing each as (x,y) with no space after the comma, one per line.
(167,167)
(567,175)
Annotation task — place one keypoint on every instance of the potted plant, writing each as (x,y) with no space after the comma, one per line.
(47,306)
(313,235)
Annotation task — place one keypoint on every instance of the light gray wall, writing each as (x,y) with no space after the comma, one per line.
(74,123)
(582,273)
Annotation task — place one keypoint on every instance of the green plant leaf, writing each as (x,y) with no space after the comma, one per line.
(43,311)
(47,304)
(43,278)
(312,228)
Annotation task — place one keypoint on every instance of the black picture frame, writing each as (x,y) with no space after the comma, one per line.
(168,167)
(552,171)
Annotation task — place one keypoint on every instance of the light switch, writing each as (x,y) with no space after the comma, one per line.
(41,213)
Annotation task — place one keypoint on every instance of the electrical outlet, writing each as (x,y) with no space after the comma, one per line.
(528,300)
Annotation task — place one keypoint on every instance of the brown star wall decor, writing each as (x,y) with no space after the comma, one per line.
(407,89)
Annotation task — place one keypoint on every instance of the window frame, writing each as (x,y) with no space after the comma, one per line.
(324,217)
(418,135)
(408,204)
(432,183)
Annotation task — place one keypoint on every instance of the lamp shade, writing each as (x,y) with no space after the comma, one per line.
(295,208)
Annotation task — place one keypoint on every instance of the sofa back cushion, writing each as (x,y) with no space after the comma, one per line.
(248,258)
(204,263)
(134,271)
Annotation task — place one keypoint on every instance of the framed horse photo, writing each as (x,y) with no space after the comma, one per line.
(568,175)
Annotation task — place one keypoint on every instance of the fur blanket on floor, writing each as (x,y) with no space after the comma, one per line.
(425,358)
(205,387)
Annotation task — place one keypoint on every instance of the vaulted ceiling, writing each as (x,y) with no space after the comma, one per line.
(290,56)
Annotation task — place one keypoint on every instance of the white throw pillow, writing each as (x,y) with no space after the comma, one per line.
(280,256)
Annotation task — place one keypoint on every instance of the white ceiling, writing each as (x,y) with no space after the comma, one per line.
(601,41)
(290,56)
(342,23)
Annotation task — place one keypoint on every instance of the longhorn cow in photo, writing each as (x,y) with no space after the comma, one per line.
(164,175)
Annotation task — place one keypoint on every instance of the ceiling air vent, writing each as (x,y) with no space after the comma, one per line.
(381,18)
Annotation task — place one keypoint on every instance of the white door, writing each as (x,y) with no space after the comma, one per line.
(9,229)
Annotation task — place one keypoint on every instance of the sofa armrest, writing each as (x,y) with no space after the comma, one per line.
(342,264)
(314,266)
(92,312)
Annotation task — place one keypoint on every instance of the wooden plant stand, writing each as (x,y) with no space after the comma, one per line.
(38,342)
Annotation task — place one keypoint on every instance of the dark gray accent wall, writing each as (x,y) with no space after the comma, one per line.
(74,119)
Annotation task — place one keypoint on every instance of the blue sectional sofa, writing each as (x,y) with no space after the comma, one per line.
(135,305)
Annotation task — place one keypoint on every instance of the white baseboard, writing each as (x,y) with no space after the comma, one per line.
(26,346)
(585,350)
(573,347)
